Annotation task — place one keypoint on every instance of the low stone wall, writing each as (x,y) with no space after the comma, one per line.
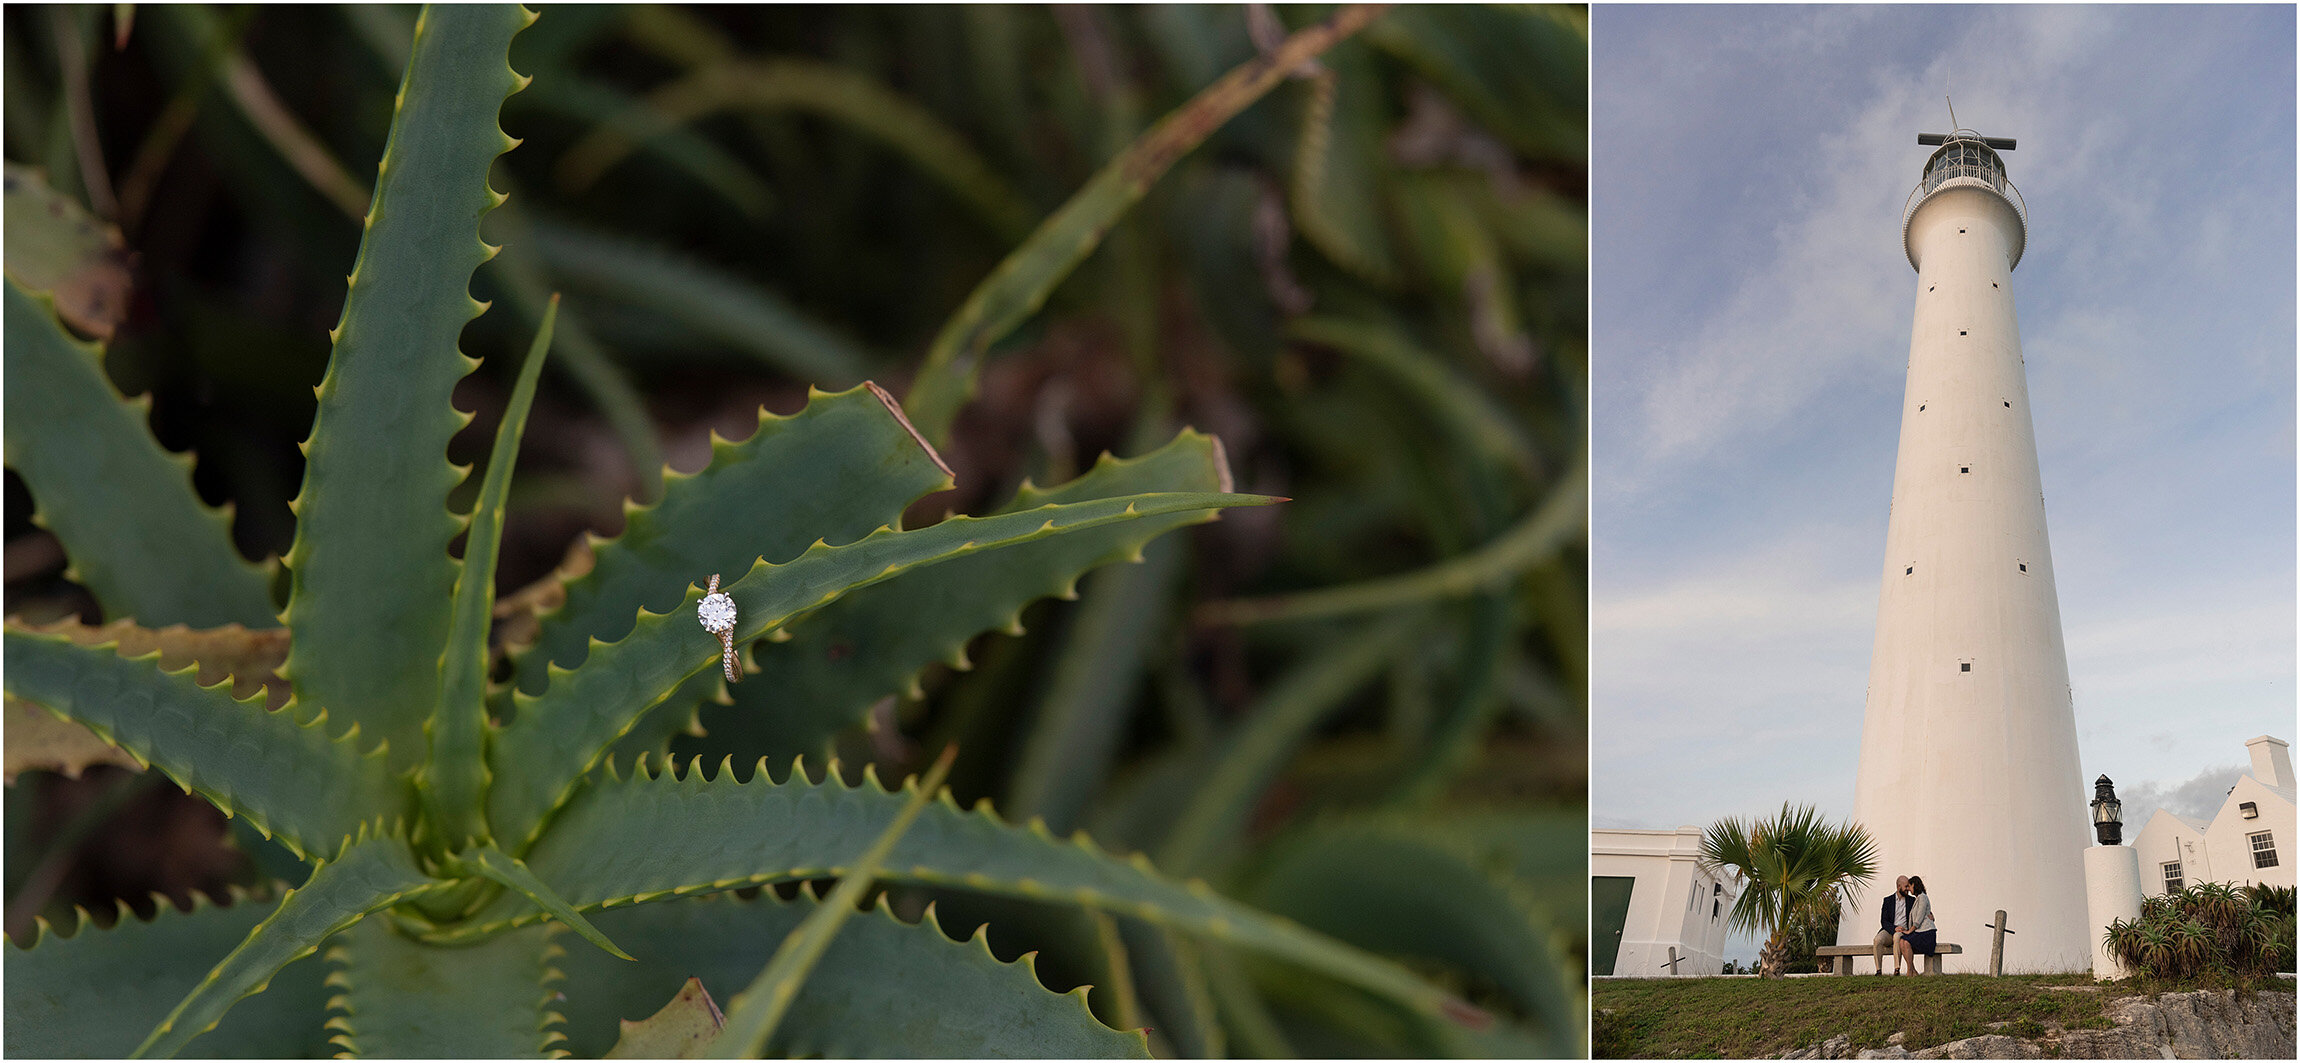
(2205,1024)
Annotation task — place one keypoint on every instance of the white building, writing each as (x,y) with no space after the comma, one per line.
(2249,840)
(1648,895)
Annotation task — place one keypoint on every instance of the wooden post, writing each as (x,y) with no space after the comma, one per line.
(1673,961)
(1997,946)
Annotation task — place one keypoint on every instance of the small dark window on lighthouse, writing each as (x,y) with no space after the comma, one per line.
(2024,566)
(2008,405)
(1964,468)
(1930,287)
(1909,571)
(1964,666)
(1992,284)
(1960,332)
(1920,408)
(1960,230)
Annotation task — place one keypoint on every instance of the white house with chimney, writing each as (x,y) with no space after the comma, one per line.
(2249,840)
(1650,900)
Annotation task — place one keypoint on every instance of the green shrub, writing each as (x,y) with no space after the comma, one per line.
(2209,929)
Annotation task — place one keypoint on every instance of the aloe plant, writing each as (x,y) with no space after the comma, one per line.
(455,830)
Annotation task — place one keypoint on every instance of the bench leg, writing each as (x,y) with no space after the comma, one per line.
(1933,963)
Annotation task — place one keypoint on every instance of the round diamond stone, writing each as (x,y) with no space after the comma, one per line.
(717,612)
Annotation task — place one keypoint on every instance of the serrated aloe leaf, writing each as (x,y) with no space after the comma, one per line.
(375,871)
(397,998)
(250,658)
(720,305)
(1090,691)
(287,778)
(54,245)
(89,996)
(1339,163)
(1454,741)
(1019,286)
(1387,884)
(620,841)
(1469,413)
(1519,70)
(454,780)
(684,1029)
(844,96)
(1273,730)
(842,467)
(562,733)
(137,534)
(756,1012)
(490,863)
(40,740)
(874,641)
(591,103)
(884,990)
(372,576)
(519,274)
(1561,518)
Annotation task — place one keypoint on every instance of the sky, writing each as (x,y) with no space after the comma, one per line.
(1750,312)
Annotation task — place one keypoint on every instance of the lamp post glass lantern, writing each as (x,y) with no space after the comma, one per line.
(2107,812)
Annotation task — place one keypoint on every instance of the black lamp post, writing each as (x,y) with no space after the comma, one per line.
(2107,812)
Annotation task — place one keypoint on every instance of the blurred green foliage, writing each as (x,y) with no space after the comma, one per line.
(1363,709)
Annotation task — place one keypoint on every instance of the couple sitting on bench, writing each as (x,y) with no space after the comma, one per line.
(1905,924)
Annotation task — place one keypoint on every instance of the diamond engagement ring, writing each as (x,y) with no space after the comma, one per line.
(717,612)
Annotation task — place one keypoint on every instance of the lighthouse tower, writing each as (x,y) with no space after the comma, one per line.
(1969,774)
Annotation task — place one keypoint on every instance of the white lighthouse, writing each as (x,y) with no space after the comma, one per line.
(1969,775)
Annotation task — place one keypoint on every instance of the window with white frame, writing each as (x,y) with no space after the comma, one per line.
(2172,879)
(2263,848)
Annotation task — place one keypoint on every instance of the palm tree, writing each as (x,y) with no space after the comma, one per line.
(1794,865)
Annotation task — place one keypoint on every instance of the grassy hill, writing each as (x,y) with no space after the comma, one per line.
(1708,1018)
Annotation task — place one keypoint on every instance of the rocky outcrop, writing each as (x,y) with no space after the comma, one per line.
(2205,1024)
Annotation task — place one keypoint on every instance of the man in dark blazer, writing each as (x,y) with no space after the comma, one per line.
(1893,915)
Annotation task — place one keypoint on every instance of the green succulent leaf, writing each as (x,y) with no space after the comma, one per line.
(374,872)
(454,779)
(623,841)
(89,996)
(1340,163)
(287,778)
(885,989)
(490,863)
(372,576)
(758,1011)
(1019,286)
(1519,70)
(561,734)
(725,307)
(842,467)
(1273,730)
(137,534)
(1396,886)
(855,101)
(397,998)
(875,640)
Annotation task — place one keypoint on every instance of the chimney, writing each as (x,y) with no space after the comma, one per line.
(2271,761)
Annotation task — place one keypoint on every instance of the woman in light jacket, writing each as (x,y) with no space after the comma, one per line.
(1916,937)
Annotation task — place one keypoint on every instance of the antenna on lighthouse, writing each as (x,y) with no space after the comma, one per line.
(1952,114)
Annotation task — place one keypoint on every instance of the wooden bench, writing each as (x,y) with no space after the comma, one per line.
(1841,956)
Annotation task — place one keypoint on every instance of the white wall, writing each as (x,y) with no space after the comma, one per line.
(2165,838)
(1673,903)
(2222,851)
